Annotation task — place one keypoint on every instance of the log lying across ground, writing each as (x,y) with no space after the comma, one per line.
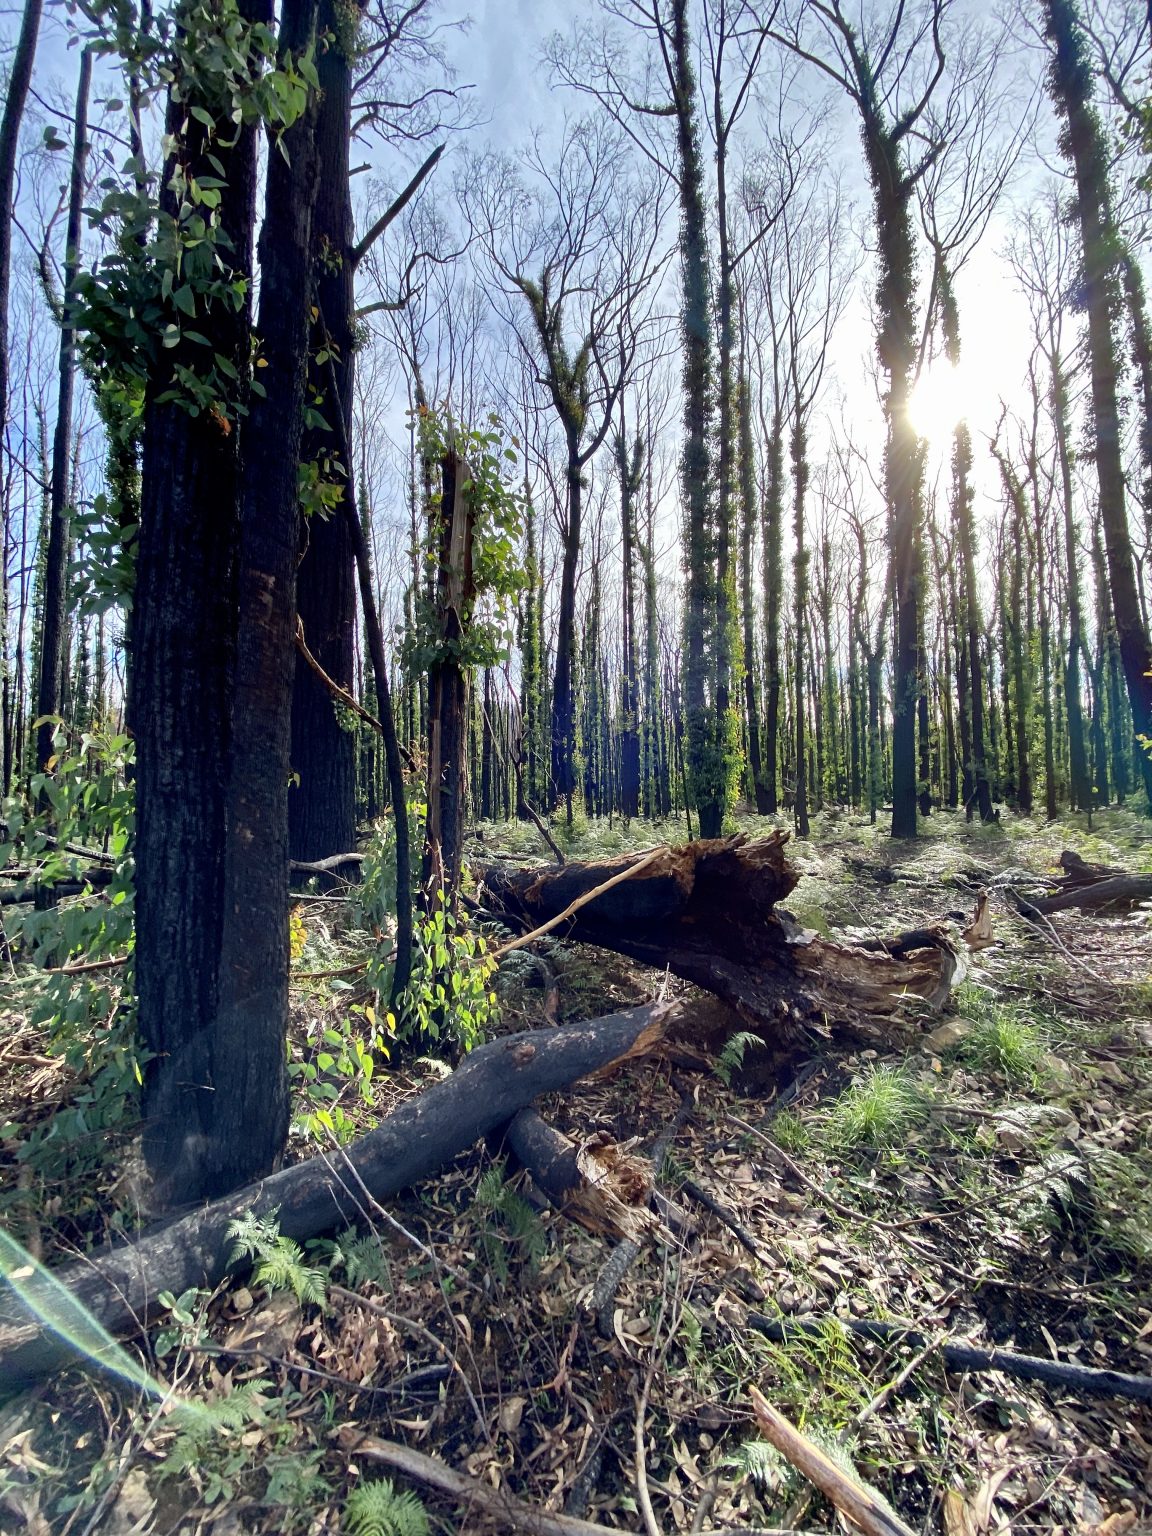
(119,1287)
(710,912)
(1091,887)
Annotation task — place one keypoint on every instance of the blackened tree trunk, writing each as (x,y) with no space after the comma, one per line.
(248,1112)
(800,612)
(771,530)
(1079,783)
(52,658)
(747,607)
(185,646)
(450,538)
(1071,86)
(321,806)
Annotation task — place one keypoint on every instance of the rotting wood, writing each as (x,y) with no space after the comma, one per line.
(853,1498)
(334,861)
(958,1356)
(597,1183)
(710,912)
(119,1287)
(627,1251)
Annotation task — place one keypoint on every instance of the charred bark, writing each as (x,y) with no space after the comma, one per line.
(709,911)
(119,1288)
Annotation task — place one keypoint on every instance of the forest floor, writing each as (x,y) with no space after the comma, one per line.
(994,1187)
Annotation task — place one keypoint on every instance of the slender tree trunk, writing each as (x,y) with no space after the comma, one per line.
(800,616)
(563,689)
(747,608)
(630,470)
(19,81)
(1083,141)
(322,805)
(52,648)
(1080,787)
(772,527)
(451,540)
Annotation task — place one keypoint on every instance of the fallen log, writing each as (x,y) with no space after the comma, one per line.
(854,1499)
(119,1287)
(960,1356)
(710,912)
(1116,893)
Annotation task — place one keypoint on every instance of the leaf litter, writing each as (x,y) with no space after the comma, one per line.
(995,1187)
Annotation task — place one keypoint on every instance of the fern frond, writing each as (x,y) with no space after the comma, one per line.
(758,1461)
(490,1190)
(376,1509)
(251,1235)
(731,1058)
(277,1261)
(364,1259)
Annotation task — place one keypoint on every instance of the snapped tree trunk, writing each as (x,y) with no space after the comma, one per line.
(709,911)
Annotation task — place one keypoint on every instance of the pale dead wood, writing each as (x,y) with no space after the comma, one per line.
(851,1497)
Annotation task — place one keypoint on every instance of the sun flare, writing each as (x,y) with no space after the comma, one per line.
(942,397)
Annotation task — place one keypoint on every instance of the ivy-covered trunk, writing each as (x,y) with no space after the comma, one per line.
(904,454)
(705,765)
(1084,144)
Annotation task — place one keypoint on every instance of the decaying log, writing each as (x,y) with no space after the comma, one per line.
(469,1492)
(425,1133)
(598,1183)
(1119,893)
(1091,887)
(710,912)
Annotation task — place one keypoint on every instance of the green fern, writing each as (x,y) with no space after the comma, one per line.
(365,1259)
(510,1221)
(758,1461)
(731,1058)
(277,1262)
(376,1509)
(200,1424)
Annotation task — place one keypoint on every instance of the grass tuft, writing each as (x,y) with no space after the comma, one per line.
(879,1110)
